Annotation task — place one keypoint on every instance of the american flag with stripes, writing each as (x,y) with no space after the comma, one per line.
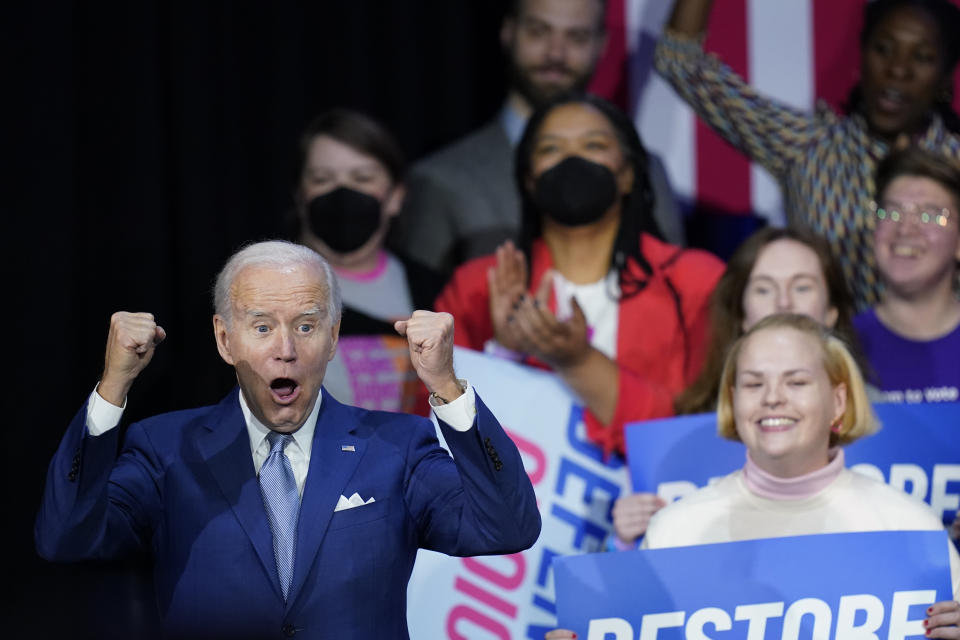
(796,51)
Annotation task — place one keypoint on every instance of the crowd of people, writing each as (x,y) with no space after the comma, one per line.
(551,237)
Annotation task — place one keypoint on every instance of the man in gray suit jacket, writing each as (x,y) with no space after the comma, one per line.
(462,201)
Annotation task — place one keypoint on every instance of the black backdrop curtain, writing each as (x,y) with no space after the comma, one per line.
(144,142)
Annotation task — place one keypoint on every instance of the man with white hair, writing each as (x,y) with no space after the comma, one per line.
(280,511)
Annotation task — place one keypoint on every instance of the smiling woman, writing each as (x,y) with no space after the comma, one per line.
(772,271)
(823,161)
(792,393)
(912,338)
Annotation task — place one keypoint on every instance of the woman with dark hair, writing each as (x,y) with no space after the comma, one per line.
(772,271)
(825,162)
(350,186)
(592,293)
(912,337)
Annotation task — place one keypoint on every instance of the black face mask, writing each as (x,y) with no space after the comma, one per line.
(575,191)
(344,218)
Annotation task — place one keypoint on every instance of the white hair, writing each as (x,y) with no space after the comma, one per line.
(279,254)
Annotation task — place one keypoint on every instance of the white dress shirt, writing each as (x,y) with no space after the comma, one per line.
(459,414)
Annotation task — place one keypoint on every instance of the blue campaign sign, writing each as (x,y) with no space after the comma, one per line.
(845,586)
(917,450)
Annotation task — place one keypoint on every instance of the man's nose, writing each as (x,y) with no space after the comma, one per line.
(556,48)
(286,348)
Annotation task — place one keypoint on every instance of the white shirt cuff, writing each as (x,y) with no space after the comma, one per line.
(102,415)
(460,413)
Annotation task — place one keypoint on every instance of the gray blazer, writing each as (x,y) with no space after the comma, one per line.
(462,201)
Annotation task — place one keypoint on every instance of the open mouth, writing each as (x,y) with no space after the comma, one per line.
(891,100)
(905,251)
(284,390)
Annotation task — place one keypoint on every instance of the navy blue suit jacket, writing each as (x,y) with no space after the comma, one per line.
(184,486)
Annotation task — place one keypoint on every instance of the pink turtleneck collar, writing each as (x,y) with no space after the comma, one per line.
(770,486)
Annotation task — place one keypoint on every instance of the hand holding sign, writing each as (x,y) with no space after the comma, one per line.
(632,513)
(942,620)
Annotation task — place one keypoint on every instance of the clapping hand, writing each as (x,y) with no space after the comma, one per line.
(507,282)
(559,343)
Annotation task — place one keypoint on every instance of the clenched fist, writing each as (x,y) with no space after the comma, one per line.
(130,346)
(430,337)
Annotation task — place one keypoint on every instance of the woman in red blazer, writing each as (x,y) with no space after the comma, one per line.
(592,291)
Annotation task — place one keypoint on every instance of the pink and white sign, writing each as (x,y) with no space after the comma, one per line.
(512,597)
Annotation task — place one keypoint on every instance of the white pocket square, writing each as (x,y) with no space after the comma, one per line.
(354,501)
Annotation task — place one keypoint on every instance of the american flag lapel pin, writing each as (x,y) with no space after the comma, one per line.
(347,447)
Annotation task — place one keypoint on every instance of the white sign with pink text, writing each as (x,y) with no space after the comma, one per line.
(512,597)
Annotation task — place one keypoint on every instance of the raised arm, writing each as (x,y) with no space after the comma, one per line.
(483,501)
(83,513)
(690,17)
(769,132)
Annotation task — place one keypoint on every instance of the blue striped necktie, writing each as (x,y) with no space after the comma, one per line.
(282,501)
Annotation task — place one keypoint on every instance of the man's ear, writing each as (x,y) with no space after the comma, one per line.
(334,340)
(222,336)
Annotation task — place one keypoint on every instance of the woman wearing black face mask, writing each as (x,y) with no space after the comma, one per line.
(618,313)
(350,188)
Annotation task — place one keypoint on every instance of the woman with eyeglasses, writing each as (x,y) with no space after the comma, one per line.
(911,339)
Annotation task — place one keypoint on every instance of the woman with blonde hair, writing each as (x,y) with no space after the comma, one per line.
(792,393)
(774,270)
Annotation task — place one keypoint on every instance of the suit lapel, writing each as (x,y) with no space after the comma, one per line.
(330,469)
(226,450)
